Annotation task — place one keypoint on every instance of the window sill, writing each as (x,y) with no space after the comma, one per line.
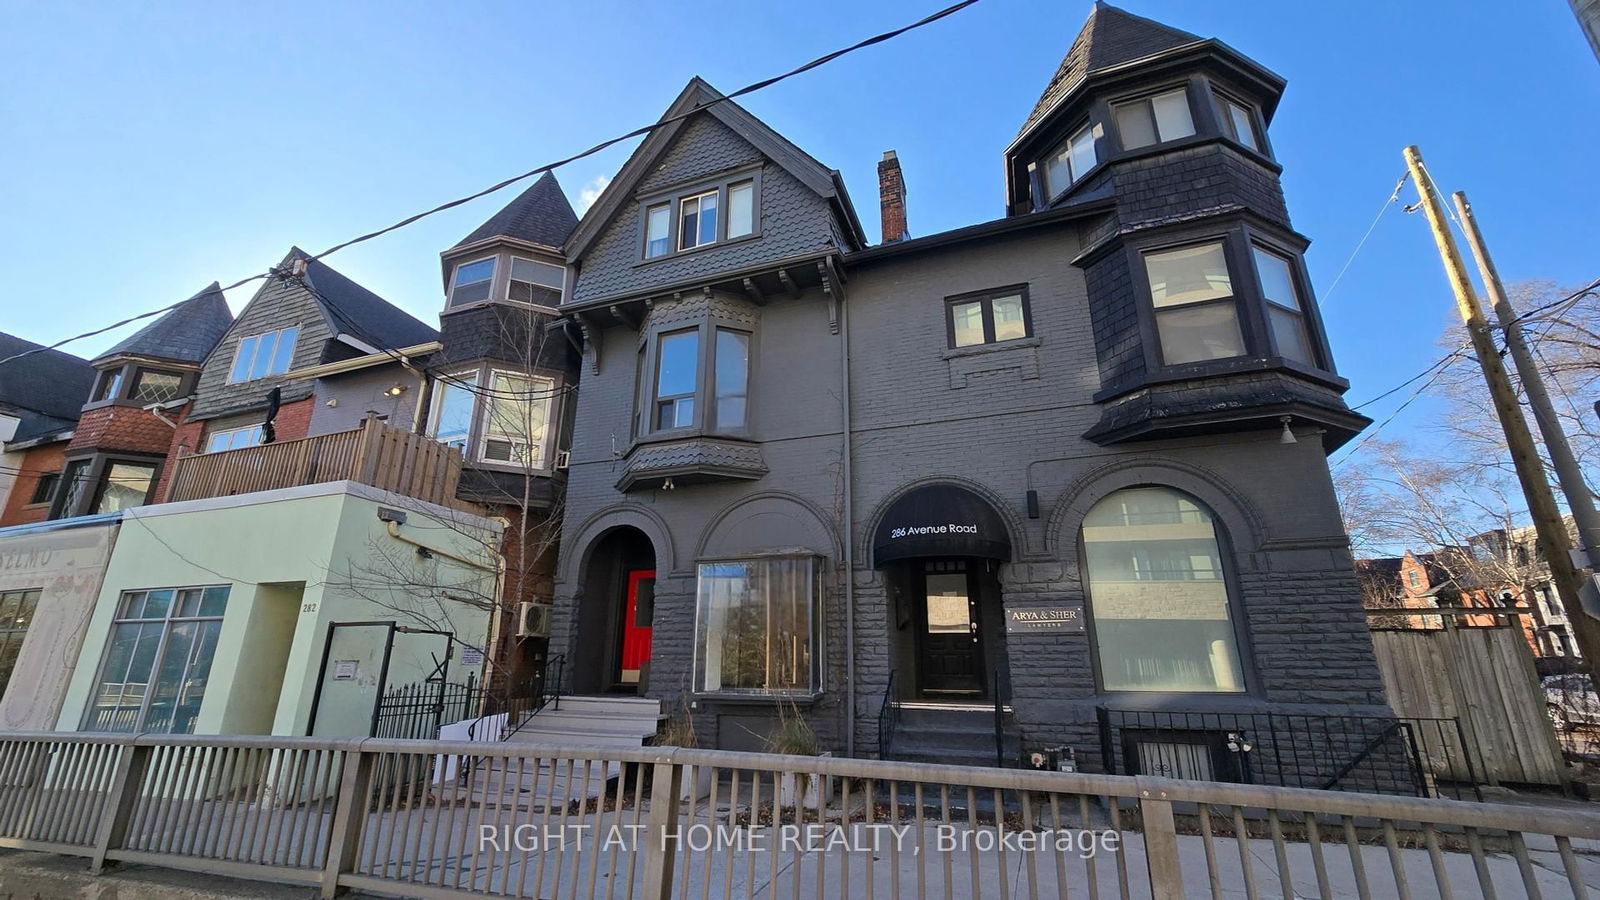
(515,304)
(996,347)
(680,254)
(742,699)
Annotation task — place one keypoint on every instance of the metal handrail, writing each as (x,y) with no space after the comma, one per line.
(888,718)
(520,710)
(999,724)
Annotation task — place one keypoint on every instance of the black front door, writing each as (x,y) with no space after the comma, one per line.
(949,642)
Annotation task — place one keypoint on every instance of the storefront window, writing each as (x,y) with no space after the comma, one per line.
(16,612)
(757,626)
(1160,601)
(159,659)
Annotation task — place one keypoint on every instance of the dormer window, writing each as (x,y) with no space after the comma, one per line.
(1155,119)
(704,216)
(472,283)
(1069,161)
(1238,122)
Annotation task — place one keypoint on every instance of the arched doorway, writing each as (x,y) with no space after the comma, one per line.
(611,653)
(940,548)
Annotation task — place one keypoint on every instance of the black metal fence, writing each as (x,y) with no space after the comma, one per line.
(1372,754)
(417,711)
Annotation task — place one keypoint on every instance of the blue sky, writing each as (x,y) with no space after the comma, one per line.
(149,149)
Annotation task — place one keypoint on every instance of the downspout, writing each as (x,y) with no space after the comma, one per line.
(849,535)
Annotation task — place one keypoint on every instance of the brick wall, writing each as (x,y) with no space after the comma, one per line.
(19,508)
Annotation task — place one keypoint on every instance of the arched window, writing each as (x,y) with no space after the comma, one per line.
(1158,595)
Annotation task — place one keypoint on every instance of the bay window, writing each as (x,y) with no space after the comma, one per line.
(1237,122)
(1158,595)
(453,409)
(536,282)
(497,417)
(1196,315)
(1284,313)
(758,626)
(153,677)
(1154,120)
(732,377)
(124,486)
(700,379)
(677,379)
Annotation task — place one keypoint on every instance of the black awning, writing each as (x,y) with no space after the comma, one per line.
(940,520)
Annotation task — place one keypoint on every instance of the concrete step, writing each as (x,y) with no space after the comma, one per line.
(531,735)
(596,721)
(619,705)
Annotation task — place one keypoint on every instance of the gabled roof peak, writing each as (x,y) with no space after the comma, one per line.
(357,312)
(186,333)
(539,215)
(1110,37)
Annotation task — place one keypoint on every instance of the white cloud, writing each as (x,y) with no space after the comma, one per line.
(591,192)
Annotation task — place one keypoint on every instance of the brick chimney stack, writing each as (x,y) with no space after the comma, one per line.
(892,198)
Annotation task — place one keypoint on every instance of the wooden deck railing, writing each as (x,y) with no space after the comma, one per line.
(413,465)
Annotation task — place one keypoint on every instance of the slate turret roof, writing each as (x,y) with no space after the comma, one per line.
(186,334)
(1110,37)
(540,215)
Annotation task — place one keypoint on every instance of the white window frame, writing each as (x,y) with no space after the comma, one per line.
(277,336)
(699,198)
(231,432)
(480,421)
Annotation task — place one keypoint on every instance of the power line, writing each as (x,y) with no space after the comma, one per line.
(1439,369)
(1393,197)
(642,130)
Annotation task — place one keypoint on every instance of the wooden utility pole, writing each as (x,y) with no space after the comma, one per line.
(1569,475)
(1552,531)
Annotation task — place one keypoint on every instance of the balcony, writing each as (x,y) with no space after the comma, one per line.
(375,454)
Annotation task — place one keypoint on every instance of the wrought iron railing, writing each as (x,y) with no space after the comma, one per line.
(888,718)
(534,694)
(417,711)
(1375,754)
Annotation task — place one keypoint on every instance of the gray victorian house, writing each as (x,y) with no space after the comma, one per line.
(1066,469)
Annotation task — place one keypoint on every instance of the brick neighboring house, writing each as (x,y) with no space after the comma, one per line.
(40,399)
(1066,461)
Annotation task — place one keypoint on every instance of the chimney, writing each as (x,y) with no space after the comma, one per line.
(892,198)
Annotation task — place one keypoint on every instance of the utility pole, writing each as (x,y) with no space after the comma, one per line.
(1552,531)
(1568,473)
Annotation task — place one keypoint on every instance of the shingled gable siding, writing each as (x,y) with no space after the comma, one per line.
(275,306)
(795,220)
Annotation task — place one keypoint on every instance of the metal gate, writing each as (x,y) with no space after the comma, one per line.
(359,661)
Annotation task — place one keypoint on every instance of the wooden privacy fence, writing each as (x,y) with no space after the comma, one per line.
(546,821)
(376,454)
(1484,677)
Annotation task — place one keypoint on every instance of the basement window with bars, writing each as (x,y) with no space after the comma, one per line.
(758,627)
(157,663)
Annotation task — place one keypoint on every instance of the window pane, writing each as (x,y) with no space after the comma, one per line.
(947,606)
(169,676)
(124,678)
(156,387)
(1244,130)
(242,358)
(1159,599)
(1082,149)
(263,358)
(514,423)
(472,272)
(126,486)
(679,369)
(76,478)
(741,209)
(966,320)
(1135,126)
(539,273)
(755,626)
(678,413)
(1201,332)
(1190,275)
(214,601)
(156,605)
(285,354)
(657,219)
(1172,115)
(1058,171)
(708,218)
(689,222)
(732,377)
(452,422)
(1289,334)
(1009,322)
(1277,283)
(110,384)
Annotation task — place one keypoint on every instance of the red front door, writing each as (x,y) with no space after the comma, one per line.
(636,622)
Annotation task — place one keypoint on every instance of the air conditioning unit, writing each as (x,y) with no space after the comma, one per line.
(533,620)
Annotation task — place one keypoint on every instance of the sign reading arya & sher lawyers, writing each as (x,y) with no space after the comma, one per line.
(1063,616)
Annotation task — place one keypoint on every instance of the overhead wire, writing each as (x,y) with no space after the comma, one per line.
(501,185)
